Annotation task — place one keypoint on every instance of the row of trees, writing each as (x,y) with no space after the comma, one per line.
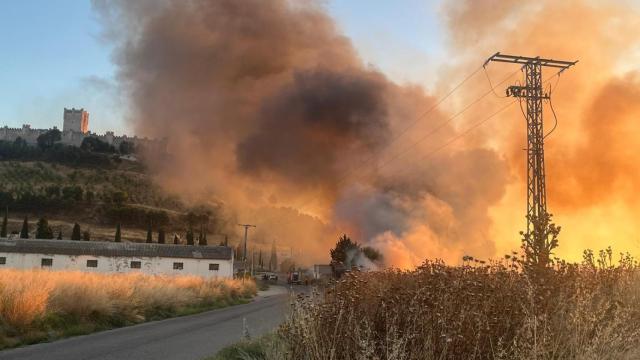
(260,261)
(64,154)
(191,239)
(44,231)
(54,197)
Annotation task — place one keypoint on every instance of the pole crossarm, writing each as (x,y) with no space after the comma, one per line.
(516,59)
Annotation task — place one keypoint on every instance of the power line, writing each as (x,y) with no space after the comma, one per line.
(438,127)
(464,133)
(484,67)
(555,124)
(413,123)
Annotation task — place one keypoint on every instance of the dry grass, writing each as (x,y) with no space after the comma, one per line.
(477,311)
(58,303)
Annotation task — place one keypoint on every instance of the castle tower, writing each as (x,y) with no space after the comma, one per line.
(75,120)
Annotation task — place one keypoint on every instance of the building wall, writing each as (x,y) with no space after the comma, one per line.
(109,265)
(75,138)
(26,132)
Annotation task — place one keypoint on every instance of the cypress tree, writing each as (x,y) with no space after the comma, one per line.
(118,235)
(238,254)
(5,220)
(176,239)
(189,237)
(149,235)
(24,233)
(273,261)
(203,239)
(161,236)
(86,236)
(43,230)
(60,235)
(75,233)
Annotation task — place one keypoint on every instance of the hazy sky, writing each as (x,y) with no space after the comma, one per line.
(52,55)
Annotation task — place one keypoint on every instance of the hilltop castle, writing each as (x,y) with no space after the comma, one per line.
(75,128)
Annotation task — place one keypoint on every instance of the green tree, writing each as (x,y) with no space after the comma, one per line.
(76,233)
(52,191)
(72,193)
(19,142)
(161,236)
(372,254)
(273,260)
(238,252)
(119,197)
(118,235)
(60,235)
(538,245)
(86,236)
(24,232)
(93,144)
(43,230)
(203,238)
(149,235)
(5,220)
(176,239)
(343,246)
(126,147)
(46,140)
(189,237)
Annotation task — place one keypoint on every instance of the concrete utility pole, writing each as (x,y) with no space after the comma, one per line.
(244,252)
(533,94)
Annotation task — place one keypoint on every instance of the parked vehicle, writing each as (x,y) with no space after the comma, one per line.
(270,276)
(294,278)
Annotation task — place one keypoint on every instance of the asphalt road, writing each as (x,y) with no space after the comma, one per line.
(184,338)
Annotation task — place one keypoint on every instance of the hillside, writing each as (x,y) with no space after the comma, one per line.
(97,197)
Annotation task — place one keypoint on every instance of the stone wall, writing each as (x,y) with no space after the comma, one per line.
(75,138)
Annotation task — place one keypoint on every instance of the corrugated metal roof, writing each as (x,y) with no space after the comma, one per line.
(113,249)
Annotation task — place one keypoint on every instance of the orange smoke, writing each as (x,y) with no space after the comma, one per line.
(592,158)
(271,114)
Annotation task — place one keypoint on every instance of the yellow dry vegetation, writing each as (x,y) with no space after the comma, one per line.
(30,299)
(480,310)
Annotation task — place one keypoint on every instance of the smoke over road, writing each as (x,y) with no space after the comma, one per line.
(269,109)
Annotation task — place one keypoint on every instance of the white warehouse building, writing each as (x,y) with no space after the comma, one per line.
(112,257)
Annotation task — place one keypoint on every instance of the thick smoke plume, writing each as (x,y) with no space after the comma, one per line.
(592,157)
(270,111)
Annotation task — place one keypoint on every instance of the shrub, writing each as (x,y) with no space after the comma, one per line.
(475,311)
(51,301)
